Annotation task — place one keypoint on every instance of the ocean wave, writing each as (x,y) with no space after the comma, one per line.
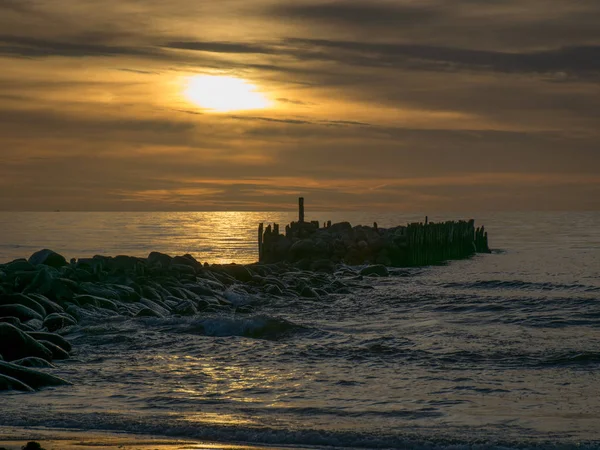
(508,359)
(522,285)
(163,426)
(256,327)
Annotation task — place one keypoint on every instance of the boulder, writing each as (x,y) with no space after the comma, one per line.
(18,265)
(42,282)
(31,377)
(237,271)
(273,289)
(14,321)
(308,292)
(161,311)
(160,259)
(151,293)
(33,446)
(54,338)
(62,291)
(57,352)
(124,293)
(282,245)
(33,362)
(33,325)
(185,308)
(378,270)
(147,312)
(199,289)
(99,290)
(50,306)
(305,248)
(21,299)
(340,228)
(183,269)
(21,312)
(16,344)
(96,301)
(323,265)
(48,258)
(186,260)
(57,321)
(12,384)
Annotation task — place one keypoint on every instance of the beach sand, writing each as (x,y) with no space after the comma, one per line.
(58,439)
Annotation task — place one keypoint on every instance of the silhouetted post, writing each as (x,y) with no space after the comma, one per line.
(260,241)
(301,209)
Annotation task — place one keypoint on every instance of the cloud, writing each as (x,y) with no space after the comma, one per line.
(293,102)
(361,14)
(21,6)
(568,60)
(38,47)
(141,72)
(219,47)
(379,103)
(274,120)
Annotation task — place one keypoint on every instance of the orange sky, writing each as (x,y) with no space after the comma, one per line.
(423,105)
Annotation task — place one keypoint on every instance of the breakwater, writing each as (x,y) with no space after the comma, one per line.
(44,299)
(416,244)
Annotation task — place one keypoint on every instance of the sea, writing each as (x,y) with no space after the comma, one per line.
(498,351)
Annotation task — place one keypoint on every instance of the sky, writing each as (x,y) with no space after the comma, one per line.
(398,105)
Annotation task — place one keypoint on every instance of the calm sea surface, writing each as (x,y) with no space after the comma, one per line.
(498,350)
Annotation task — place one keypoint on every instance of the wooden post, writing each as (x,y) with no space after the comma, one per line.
(260,241)
(301,209)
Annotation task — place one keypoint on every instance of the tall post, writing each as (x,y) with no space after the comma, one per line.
(260,241)
(301,209)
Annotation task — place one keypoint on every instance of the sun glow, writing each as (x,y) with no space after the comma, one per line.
(223,94)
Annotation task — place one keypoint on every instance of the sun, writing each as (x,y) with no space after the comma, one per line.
(224,94)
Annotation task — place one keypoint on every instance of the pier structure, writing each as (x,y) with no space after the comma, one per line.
(414,244)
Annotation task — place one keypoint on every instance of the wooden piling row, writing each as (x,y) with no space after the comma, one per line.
(432,243)
(417,244)
(481,240)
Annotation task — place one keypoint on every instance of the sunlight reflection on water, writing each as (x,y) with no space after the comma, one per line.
(224,237)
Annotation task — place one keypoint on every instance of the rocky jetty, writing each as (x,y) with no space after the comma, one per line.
(44,298)
(416,244)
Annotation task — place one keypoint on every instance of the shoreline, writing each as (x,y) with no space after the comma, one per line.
(67,439)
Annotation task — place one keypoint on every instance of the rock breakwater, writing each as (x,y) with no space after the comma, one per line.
(43,299)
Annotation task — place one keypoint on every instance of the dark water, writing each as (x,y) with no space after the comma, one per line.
(499,350)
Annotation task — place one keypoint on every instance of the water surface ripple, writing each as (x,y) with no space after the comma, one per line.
(499,350)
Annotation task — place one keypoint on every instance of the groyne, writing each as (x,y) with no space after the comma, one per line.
(45,299)
(414,244)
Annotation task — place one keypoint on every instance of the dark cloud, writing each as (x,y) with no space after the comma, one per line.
(346,122)
(38,47)
(361,14)
(47,123)
(271,119)
(220,47)
(141,72)
(499,25)
(293,102)
(569,60)
(21,6)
